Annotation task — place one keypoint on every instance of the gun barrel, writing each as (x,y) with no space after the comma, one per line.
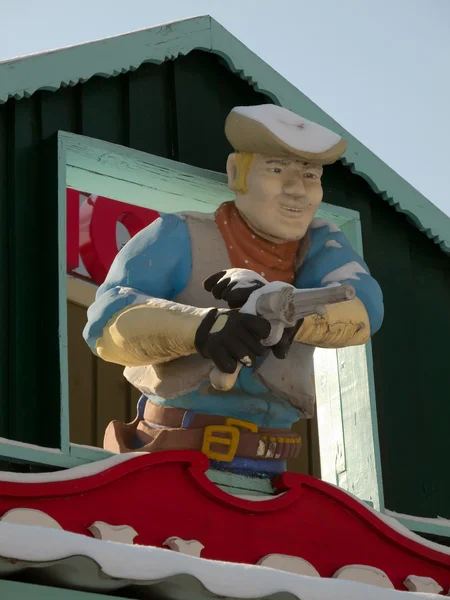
(328,295)
(310,302)
(288,305)
(284,308)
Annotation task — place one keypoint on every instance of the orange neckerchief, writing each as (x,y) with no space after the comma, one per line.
(247,250)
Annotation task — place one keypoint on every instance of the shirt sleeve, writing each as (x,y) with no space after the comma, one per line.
(331,259)
(154,263)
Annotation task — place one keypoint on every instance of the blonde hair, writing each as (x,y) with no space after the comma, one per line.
(242,163)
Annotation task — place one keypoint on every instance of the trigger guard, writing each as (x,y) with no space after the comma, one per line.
(276,333)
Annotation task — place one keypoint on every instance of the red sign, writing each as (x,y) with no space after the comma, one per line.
(166,498)
(97,227)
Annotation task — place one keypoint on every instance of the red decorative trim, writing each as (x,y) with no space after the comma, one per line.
(168,494)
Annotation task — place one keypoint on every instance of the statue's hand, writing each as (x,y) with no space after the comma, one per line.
(281,349)
(228,337)
(234,285)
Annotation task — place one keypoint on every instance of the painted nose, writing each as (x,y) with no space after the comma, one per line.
(294,187)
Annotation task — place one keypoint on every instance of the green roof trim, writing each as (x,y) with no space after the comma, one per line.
(22,77)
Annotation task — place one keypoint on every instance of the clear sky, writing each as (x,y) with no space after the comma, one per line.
(381,68)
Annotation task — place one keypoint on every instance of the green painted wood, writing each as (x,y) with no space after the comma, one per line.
(405,449)
(229,489)
(205,93)
(431,299)
(83,151)
(346,409)
(343,188)
(59,110)
(5,119)
(77,64)
(17,590)
(239,484)
(24,137)
(329,416)
(63,351)
(406,462)
(431,526)
(359,417)
(374,423)
(144,180)
(33,352)
(30,453)
(151,115)
(88,453)
(412,403)
(76,455)
(104,109)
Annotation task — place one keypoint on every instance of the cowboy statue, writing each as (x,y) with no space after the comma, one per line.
(189,301)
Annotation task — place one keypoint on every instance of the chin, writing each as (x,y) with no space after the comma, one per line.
(289,236)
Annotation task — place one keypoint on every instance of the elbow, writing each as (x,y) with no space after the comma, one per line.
(345,324)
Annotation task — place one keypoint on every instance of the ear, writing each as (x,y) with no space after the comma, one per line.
(231,170)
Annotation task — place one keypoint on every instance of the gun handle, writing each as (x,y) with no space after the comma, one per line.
(224,381)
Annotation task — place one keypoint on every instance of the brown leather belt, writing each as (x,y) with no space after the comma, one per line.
(220,438)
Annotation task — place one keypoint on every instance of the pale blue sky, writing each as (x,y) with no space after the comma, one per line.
(381,68)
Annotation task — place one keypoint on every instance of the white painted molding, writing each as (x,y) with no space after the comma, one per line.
(30,516)
(113,533)
(290,564)
(436,525)
(188,547)
(365,574)
(414,583)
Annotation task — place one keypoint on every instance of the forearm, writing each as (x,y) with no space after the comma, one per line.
(151,333)
(345,324)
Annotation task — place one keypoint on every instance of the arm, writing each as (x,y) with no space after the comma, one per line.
(133,321)
(330,260)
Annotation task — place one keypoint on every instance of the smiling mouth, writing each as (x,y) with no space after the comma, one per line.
(291,209)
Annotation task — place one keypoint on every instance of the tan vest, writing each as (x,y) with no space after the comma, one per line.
(291,379)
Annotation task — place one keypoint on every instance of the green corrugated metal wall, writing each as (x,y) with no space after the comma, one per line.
(28,295)
(177,110)
(411,359)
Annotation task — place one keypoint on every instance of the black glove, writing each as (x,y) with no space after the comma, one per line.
(238,340)
(223,284)
(234,286)
(281,349)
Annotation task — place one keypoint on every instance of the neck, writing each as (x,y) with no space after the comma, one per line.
(261,234)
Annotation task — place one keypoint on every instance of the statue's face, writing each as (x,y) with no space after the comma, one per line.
(282,198)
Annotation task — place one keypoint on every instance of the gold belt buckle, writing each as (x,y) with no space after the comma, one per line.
(231,428)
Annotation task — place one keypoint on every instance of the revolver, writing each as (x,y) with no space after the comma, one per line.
(283,306)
